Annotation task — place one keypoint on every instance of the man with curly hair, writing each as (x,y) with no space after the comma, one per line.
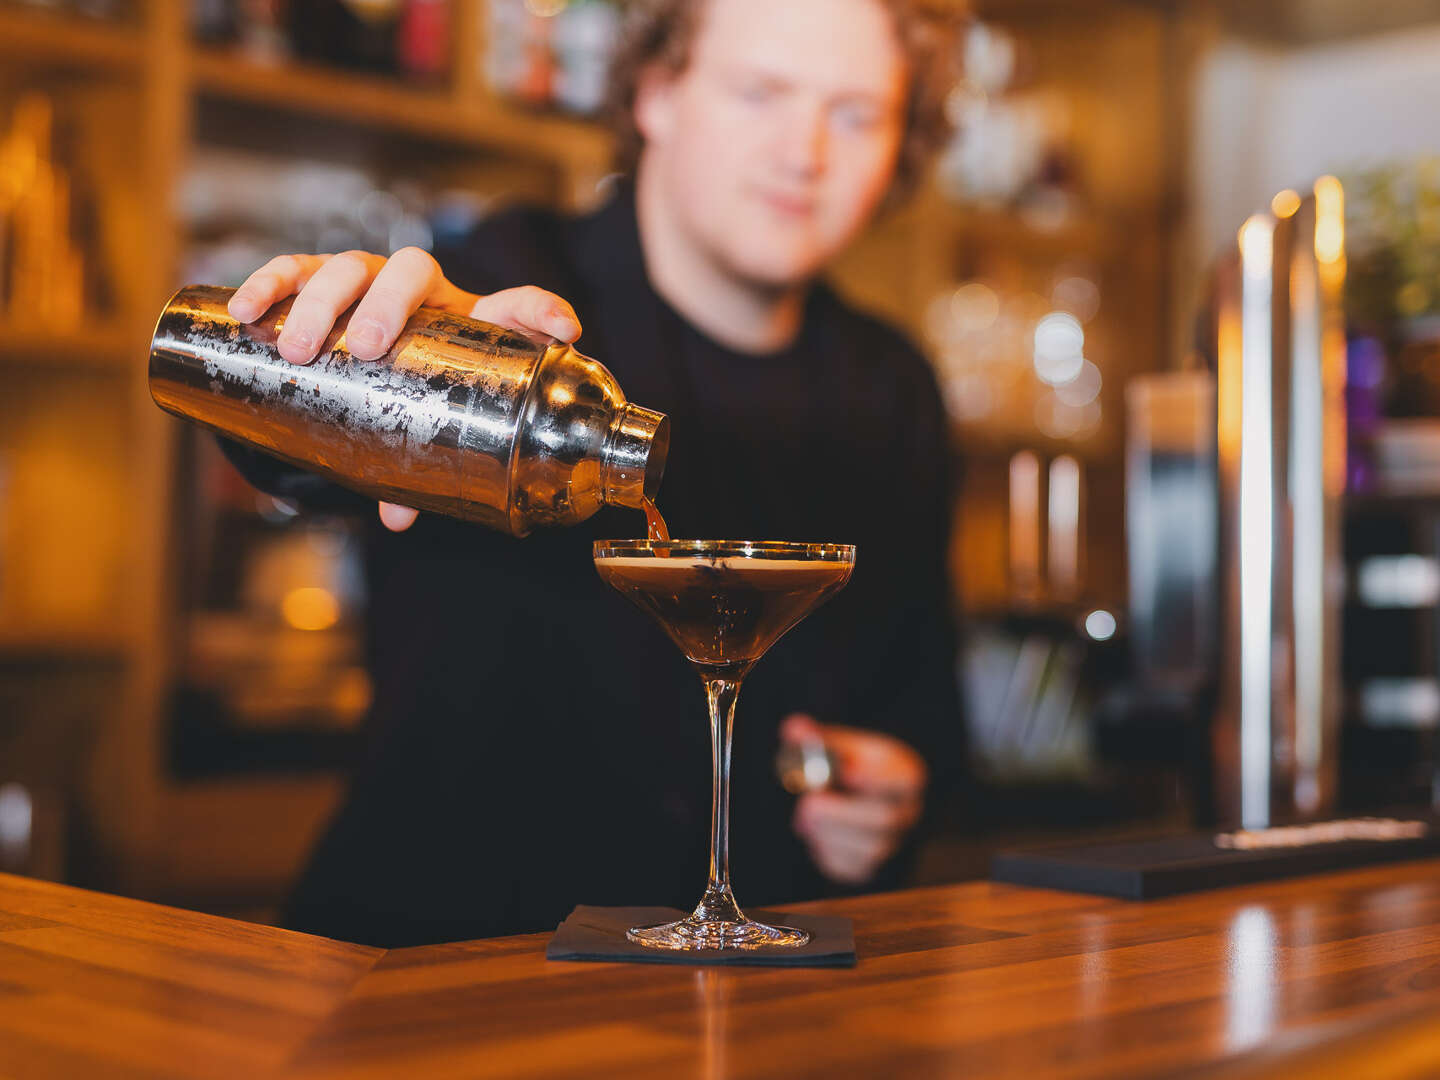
(537,743)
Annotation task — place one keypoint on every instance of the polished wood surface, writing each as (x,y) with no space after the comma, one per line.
(99,986)
(1299,978)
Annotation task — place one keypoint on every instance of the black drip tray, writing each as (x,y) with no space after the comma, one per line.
(1193,862)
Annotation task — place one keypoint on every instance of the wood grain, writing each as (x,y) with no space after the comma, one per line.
(1284,979)
(95,985)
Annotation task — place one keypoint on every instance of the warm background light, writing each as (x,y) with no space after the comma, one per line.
(1329,220)
(1285,203)
(310,608)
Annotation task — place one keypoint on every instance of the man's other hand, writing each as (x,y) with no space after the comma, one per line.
(852,829)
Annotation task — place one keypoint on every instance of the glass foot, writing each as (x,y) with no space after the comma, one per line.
(693,933)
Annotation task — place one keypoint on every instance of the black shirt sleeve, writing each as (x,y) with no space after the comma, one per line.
(279,478)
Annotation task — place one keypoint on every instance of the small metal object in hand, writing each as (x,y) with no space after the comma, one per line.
(806,766)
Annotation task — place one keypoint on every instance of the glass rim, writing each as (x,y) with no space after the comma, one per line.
(748,549)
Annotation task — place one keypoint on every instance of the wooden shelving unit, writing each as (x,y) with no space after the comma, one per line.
(99,347)
(144,93)
(33,37)
(21,643)
(479,122)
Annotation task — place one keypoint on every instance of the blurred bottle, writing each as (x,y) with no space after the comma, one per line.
(424,47)
(551,53)
(212,21)
(45,276)
(586,35)
(360,34)
(262,30)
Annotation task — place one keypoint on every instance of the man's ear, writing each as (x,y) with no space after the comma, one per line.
(655,93)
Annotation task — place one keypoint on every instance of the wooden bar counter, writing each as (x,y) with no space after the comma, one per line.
(1332,975)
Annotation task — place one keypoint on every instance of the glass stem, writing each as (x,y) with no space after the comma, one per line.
(719,901)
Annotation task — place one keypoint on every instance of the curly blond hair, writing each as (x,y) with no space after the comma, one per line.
(663,31)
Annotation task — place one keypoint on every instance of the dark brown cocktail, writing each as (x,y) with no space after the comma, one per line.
(724,612)
(724,603)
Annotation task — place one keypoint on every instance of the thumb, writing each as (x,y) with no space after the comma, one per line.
(529,308)
(800,728)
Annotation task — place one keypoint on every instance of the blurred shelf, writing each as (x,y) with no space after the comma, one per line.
(43,647)
(1082,233)
(994,444)
(389,104)
(104,347)
(1383,501)
(45,39)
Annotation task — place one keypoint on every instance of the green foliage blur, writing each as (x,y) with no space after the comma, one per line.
(1393,220)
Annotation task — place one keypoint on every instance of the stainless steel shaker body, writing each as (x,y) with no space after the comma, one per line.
(460,417)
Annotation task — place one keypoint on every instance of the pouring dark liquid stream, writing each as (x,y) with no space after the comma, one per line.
(654,523)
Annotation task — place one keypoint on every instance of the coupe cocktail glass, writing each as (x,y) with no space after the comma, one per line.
(724,602)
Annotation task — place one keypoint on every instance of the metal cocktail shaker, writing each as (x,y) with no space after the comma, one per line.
(460,417)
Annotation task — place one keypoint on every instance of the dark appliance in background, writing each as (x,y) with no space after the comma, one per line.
(1392,528)
(1039,677)
(1160,713)
(271,675)
(1391,664)
(1030,671)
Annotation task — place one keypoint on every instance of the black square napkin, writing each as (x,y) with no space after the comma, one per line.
(598,933)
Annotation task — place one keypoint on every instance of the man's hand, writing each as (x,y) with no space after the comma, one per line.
(881,786)
(389,290)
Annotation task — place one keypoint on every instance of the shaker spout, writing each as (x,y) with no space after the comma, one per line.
(633,460)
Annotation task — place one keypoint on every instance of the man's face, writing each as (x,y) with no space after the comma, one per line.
(774,146)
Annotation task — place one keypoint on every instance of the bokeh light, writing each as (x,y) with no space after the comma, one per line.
(970,397)
(1057,420)
(1100,625)
(1082,389)
(975,307)
(1285,203)
(1078,295)
(1059,348)
(310,608)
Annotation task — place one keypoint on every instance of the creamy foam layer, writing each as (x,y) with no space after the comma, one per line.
(737,563)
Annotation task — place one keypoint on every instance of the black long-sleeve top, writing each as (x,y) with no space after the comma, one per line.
(535,741)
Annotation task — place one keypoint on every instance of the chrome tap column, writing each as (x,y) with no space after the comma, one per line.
(1279,338)
(460,417)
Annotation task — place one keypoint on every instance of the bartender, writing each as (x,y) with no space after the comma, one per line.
(536,742)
